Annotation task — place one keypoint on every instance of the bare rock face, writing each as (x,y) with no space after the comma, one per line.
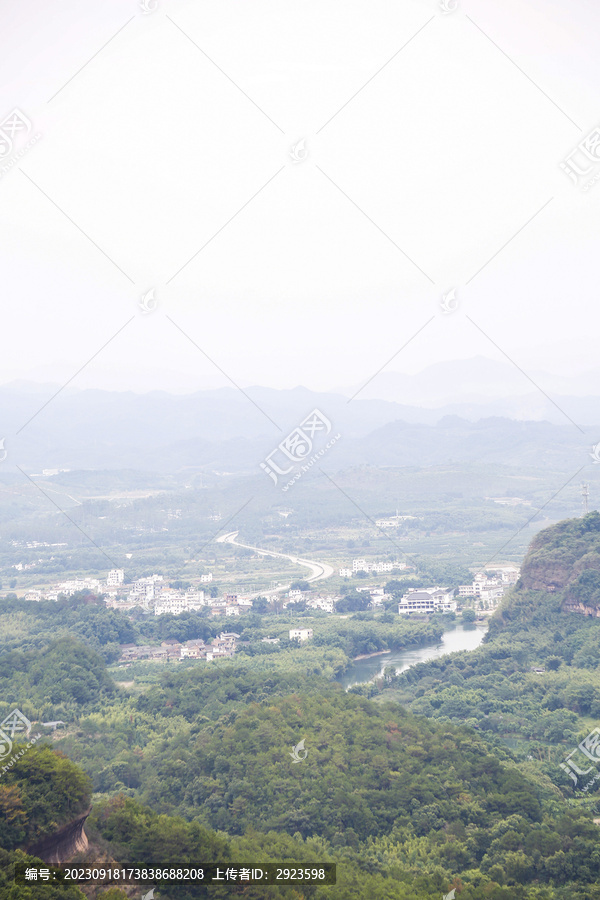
(548,571)
(61,846)
(573,606)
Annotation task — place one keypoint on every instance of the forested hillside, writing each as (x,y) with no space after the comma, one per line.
(534,684)
(447,776)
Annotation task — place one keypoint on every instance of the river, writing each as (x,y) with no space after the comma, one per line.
(457,638)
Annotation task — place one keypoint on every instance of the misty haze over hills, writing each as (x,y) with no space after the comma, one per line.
(492,414)
(473,387)
(480,386)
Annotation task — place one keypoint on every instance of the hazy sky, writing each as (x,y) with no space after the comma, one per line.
(173,144)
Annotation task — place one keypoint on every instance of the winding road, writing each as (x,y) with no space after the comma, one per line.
(319,571)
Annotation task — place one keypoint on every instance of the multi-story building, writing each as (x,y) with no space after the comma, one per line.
(175,603)
(506,574)
(218,607)
(83,584)
(170,605)
(194,649)
(327,604)
(379,596)
(300,634)
(115,577)
(488,590)
(378,568)
(229,639)
(427,601)
(223,646)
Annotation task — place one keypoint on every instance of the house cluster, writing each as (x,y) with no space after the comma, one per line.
(378,568)
(313,601)
(490,588)
(221,647)
(327,603)
(67,588)
(153,593)
(176,602)
(32,545)
(377,594)
(22,567)
(426,601)
(230,605)
(393,521)
(144,589)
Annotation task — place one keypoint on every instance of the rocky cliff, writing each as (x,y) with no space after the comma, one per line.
(61,846)
(565,560)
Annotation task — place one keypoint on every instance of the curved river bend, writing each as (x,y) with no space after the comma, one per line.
(457,638)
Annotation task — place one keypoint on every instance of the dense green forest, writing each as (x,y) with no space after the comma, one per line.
(534,684)
(447,776)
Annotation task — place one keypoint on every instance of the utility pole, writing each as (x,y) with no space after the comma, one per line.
(585,493)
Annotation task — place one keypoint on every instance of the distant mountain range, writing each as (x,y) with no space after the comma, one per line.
(478,387)
(227,430)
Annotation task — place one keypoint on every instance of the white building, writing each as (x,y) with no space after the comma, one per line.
(490,590)
(507,574)
(223,646)
(492,595)
(193,649)
(393,521)
(327,604)
(195,598)
(228,639)
(142,591)
(382,567)
(379,597)
(171,605)
(115,577)
(83,584)
(428,600)
(174,603)
(300,634)
(206,578)
(378,568)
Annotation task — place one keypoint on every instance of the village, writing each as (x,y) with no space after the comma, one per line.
(155,595)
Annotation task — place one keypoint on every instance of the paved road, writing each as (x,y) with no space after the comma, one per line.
(319,571)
